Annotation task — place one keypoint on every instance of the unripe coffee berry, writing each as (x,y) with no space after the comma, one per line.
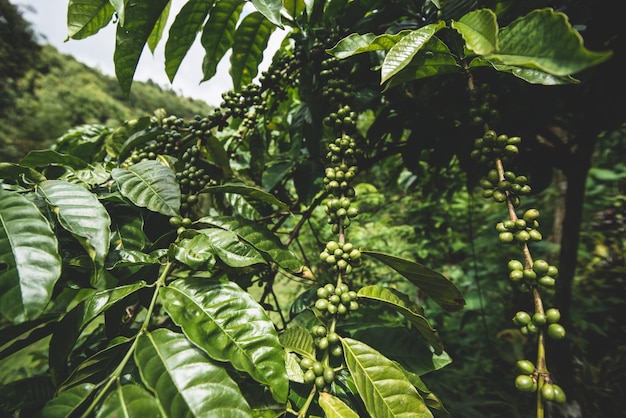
(556,331)
(525,366)
(525,383)
(553,315)
(521,318)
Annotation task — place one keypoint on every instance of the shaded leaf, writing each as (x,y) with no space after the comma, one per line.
(434,284)
(298,339)
(159,26)
(29,261)
(401,304)
(401,54)
(334,407)
(140,18)
(80,212)
(385,390)
(129,401)
(250,40)
(248,191)
(294,8)
(75,321)
(150,184)
(68,402)
(217,35)
(229,325)
(258,236)
(185,381)
(45,158)
(183,33)
(137,139)
(87,17)
(16,172)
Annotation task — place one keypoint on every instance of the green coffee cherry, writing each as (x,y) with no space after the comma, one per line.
(556,331)
(525,383)
(525,366)
(521,318)
(553,315)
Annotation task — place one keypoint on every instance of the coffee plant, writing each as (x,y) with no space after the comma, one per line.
(151,259)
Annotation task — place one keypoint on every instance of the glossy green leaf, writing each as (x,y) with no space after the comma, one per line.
(270,9)
(479,30)
(401,54)
(159,27)
(30,263)
(258,236)
(80,212)
(434,284)
(401,304)
(298,339)
(69,402)
(127,230)
(357,44)
(45,158)
(228,324)
(16,172)
(195,252)
(433,59)
(75,321)
(118,5)
(184,380)
(385,390)
(334,407)
(530,75)
(249,192)
(217,154)
(87,17)
(294,8)
(250,40)
(241,207)
(92,176)
(119,143)
(545,40)
(406,347)
(218,34)
(140,19)
(294,370)
(137,139)
(129,401)
(13,338)
(98,367)
(183,33)
(230,249)
(150,184)
(130,258)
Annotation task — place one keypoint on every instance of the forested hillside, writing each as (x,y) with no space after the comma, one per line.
(59,93)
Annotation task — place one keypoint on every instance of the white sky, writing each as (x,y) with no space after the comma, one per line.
(49,20)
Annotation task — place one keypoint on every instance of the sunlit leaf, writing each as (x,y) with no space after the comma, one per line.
(298,339)
(185,381)
(434,284)
(479,29)
(150,184)
(129,401)
(334,407)
(248,191)
(30,263)
(80,212)
(230,249)
(87,17)
(229,325)
(270,9)
(68,402)
(385,390)
(355,43)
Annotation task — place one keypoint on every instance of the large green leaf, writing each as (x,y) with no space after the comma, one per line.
(434,284)
(16,172)
(80,213)
(127,230)
(401,304)
(258,236)
(357,44)
(44,158)
(150,184)
(479,30)
(401,54)
(230,249)
(75,321)
(298,339)
(250,40)
(159,27)
(140,19)
(334,407)
(195,252)
(183,33)
(385,390)
(87,17)
(185,381)
(218,33)
(229,325)
(545,40)
(29,261)
(270,9)
(253,193)
(69,402)
(129,401)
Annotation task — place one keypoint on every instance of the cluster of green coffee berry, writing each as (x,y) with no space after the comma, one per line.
(511,186)
(541,274)
(520,230)
(483,109)
(191,177)
(344,256)
(492,146)
(333,76)
(526,381)
(316,373)
(338,300)
(532,324)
